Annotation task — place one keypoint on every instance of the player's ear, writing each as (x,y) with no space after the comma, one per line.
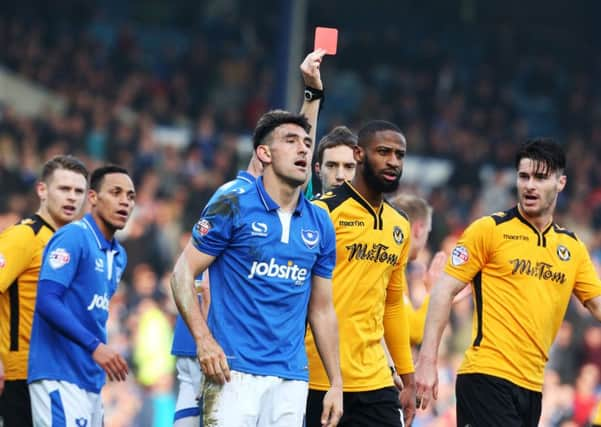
(92,197)
(264,154)
(561,183)
(42,190)
(358,153)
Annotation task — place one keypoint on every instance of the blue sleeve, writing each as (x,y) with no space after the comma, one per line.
(213,231)
(50,305)
(324,266)
(62,254)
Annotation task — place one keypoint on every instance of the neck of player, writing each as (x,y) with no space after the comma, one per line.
(45,215)
(107,230)
(285,194)
(374,197)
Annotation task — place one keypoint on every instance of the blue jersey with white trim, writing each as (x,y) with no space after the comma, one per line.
(183,341)
(261,277)
(80,258)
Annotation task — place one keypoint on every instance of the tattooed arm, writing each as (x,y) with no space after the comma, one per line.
(210,354)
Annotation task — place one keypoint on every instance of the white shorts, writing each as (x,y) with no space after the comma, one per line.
(60,403)
(189,376)
(255,401)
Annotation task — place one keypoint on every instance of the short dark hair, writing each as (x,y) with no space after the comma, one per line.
(99,174)
(66,162)
(340,135)
(547,154)
(274,118)
(367,132)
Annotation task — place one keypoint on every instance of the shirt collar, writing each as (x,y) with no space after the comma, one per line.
(245,176)
(271,205)
(103,244)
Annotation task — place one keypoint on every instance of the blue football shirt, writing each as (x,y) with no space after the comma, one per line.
(183,341)
(261,277)
(79,257)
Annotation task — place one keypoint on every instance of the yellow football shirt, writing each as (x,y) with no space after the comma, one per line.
(372,246)
(522,281)
(21,248)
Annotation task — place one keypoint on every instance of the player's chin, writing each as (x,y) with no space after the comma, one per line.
(119,222)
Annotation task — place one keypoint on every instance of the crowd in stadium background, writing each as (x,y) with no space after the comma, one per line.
(175,104)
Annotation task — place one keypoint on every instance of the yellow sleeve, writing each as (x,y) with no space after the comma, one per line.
(417,320)
(16,253)
(587,284)
(396,321)
(471,251)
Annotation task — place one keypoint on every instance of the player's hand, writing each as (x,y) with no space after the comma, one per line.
(111,362)
(1,377)
(426,381)
(213,361)
(407,401)
(332,407)
(310,69)
(435,270)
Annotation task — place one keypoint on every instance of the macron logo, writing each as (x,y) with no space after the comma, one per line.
(287,271)
(99,301)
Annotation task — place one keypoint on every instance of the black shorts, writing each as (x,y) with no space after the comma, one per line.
(488,401)
(15,404)
(377,408)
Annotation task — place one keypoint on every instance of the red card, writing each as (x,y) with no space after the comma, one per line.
(327,39)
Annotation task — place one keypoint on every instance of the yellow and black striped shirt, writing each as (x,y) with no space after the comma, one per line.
(522,282)
(372,247)
(21,248)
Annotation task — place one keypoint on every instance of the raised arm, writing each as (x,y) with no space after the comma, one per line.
(324,326)
(312,79)
(426,374)
(210,354)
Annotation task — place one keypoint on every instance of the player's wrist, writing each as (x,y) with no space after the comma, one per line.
(93,345)
(312,94)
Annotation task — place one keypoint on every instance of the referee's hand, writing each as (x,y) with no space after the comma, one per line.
(213,361)
(111,362)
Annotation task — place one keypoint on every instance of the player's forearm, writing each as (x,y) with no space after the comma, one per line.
(324,326)
(185,295)
(594,306)
(439,310)
(51,307)
(396,331)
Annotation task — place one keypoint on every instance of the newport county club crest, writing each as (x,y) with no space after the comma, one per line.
(563,253)
(397,235)
(310,237)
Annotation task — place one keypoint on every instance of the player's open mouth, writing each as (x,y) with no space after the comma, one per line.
(123,214)
(301,163)
(390,176)
(69,209)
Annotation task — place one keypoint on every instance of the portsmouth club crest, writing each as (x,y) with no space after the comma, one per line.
(310,237)
(397,235)
(563,253)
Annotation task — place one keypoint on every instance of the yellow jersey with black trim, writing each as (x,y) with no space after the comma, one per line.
(372,246)
(522,281)
(21,248)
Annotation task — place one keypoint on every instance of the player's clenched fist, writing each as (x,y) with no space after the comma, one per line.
(213,361)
